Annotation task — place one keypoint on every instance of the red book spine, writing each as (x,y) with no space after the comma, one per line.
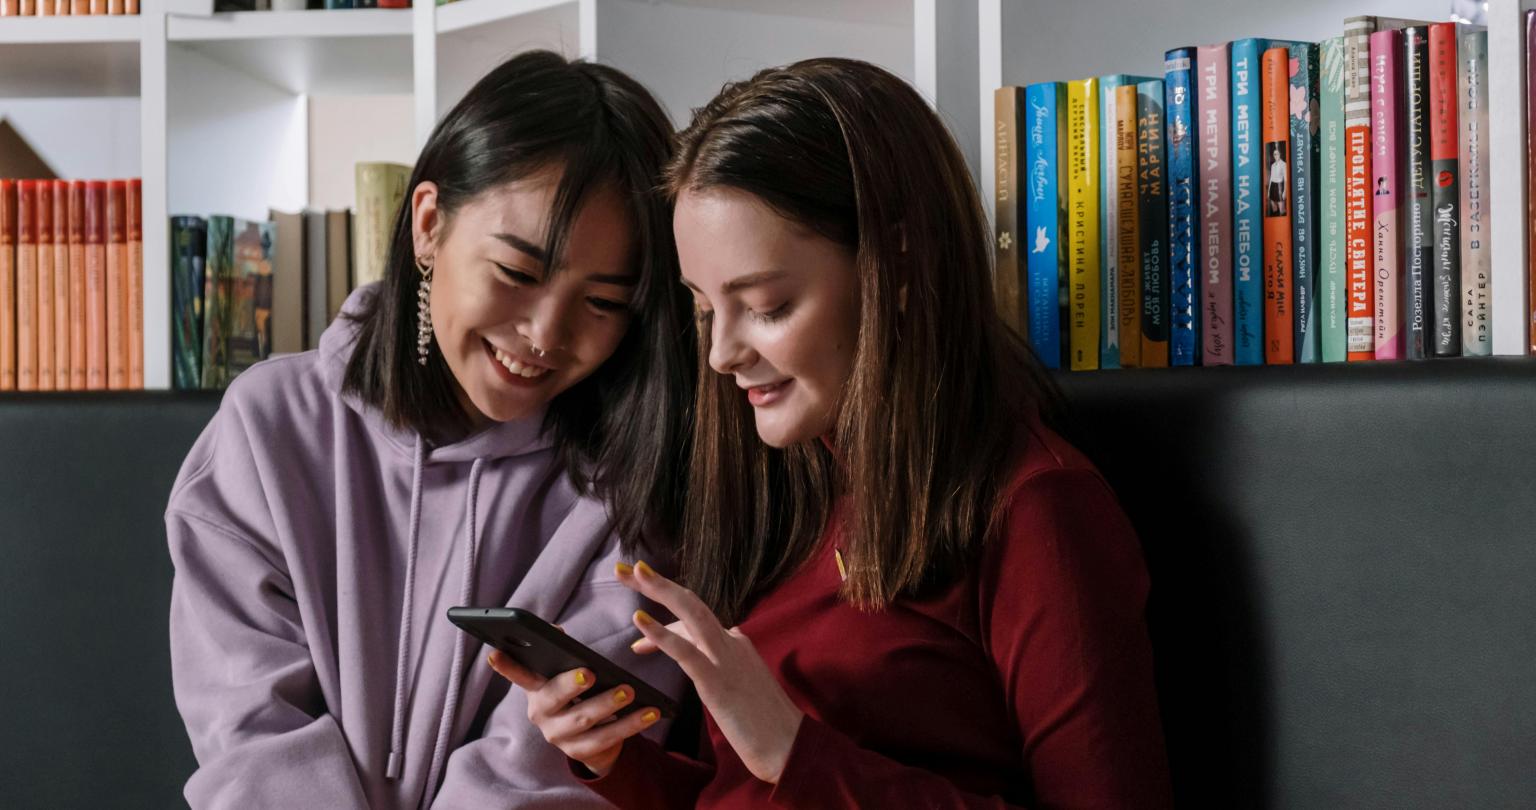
(117,286)
(135,213)
(26,285)
(45,285)
(7,285)
(95,285)
(77,301)
(60,285)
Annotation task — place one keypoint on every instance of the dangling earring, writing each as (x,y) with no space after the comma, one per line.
(423,311)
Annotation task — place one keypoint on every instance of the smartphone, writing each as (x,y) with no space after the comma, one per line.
(543,648)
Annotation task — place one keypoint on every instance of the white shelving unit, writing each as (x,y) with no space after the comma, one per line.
(224,100)
(1021,43)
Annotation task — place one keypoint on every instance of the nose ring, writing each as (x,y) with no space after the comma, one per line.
(537,352)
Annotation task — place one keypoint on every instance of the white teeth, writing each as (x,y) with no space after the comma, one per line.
(526,372)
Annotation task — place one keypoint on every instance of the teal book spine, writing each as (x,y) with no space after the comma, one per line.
(218,278)
(1331,270)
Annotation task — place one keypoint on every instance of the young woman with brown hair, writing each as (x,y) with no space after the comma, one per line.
(933,600)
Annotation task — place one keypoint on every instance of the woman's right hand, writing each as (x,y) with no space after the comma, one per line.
(585,731)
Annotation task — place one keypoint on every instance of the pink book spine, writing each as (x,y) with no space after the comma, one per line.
(1214,105)
(1384,186)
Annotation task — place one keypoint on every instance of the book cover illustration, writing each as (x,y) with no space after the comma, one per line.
(250,333)
(218,284)
(1275,122)
(189,245)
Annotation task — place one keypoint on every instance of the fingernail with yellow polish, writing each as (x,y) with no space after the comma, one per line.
(491,659)
(644,570)
(643,618)
(581,678)
(649,717)
(620,696)
(623,569)
(636,643)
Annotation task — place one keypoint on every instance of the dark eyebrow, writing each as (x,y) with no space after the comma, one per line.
(752,280)
(519,243)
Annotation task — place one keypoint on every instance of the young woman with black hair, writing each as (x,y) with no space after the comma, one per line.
(903,588)
(477,429)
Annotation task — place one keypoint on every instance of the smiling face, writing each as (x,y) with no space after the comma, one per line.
(781,306)
(513,334)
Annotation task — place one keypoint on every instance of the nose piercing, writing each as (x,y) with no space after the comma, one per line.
(537,352)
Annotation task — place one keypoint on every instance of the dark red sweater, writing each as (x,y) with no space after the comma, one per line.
(1026,683)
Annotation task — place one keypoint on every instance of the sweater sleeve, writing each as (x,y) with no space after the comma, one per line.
(646,776)
(1061,598)
(244,680)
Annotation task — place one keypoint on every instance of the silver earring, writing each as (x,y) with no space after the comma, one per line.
(423,311)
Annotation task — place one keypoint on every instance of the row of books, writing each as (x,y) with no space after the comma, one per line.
(60,8)
(71,285)
(243,290)
(1263,202)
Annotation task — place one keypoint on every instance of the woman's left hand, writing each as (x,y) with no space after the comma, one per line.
(757,718)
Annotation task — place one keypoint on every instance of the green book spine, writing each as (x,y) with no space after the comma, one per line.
(1331,271)
(217,279)
(189,243)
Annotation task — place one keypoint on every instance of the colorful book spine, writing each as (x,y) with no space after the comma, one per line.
(1247,212)
(218,281)
(96,285)
(1360,325)
(1009,272)
(1045,209)
(1111,284)
(1384,190)
(26,285)
(135,212)
(189,246)
(1275,154)
(1152,203)
(1212,72)
(45,316)
(1083,221)
(1416,223)
(1128,231)
(1183,182)
(61,370)
(79,351)
(7,285)
(249,338)
(1445,192)
(1332,308)
(1476,259)
(117,285)
(1305,149)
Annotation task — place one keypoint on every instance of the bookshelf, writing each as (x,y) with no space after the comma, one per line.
(224,100)
(1019,44)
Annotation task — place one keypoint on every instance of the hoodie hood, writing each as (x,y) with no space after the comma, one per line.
(496,441)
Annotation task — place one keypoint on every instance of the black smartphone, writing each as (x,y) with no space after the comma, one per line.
(543,648)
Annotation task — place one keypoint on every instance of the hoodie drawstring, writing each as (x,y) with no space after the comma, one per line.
(402,655)
(456,675)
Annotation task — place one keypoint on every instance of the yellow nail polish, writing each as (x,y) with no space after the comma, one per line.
(620,696)
(623,569)
(643,618)
(581,678)
(644,570)
(491,660)
(649,717)
(636,643)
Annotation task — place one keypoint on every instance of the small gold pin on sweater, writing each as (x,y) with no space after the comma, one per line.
(842,570)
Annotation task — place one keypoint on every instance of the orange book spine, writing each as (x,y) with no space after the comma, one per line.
(61,369)
(95,285)
(117,286)
(135,214)
(132,6)
(79,6)
(29,8)
(115,6)
(98,6)
(26,285)
(78,349)
(10,8)
(45,8)
(1275,85)
(7,285)
(45,285)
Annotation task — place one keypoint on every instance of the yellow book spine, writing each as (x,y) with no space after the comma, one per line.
(1128,240)
(1083,222)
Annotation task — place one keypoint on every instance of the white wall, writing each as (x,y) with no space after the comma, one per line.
(81,138)
(346,130)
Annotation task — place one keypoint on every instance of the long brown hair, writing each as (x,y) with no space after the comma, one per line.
(940,385)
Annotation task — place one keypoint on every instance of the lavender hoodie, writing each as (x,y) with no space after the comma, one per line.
(317,550)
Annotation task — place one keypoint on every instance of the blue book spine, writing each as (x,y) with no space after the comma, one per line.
(1247,218)
(1109,220)
(1304,196)
(1183,207)
(1045,207)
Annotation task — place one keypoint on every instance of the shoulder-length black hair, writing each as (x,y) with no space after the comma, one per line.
(624,428)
